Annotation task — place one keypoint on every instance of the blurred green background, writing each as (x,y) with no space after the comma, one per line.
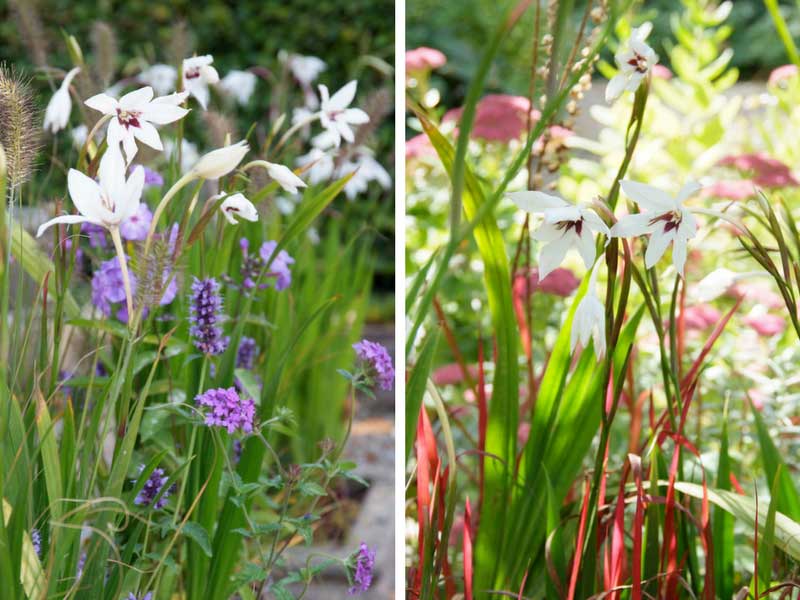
(454,28)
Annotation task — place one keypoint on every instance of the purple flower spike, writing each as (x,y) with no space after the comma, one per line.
(205,310)
(246,353)
(147,596)
(152,488)
(378,362)
(362,577)
(228,410)
(107,286)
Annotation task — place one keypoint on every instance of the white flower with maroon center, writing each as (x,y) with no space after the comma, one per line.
(589,321)
(107,203)
(634,63)
(335,114)
(133,116)
(564,226)
(198,74)
(663,218)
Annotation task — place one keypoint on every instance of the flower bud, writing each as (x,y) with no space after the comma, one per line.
(220,162)
(238,206)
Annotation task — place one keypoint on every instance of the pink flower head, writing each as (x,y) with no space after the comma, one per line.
(781,74)
(732,190)
(424,59)
(452,374)
(757,292)
(559,282)
(701,316)
(769,172)
(766,324)
(419,146)
(499,117)
(661,72)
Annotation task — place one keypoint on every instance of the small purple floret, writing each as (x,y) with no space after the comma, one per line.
(246,353)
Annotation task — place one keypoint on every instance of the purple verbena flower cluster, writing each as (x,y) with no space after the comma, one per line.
(378,362)
(108,289)
(96,234)
(365,563)
(152,488)
(205,309)
(253,266)
(246,353)
(228,409)
(135,227)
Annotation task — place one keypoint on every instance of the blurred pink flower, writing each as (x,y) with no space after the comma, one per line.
(766,324)
(424,59)
(758,397)
(498,117)
(451,374)
(758,293)
(732,190)
(781,74)
(419,146)
(560,282)
(768,171)
(661,72)
(701,316)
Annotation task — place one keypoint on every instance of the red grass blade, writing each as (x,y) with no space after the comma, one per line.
(467,551)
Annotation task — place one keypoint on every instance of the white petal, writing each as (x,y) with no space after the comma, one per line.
(687,191)
(103,103)
(356,116)
(656,247)
(563,213)
(162,113)
(136,99)
(285,177)
(238,205)
(345,131)
(209,74)
(324,94)
(552,255)
(679,255)
(342,98)
(111,172)
(67,219)
(586,247)
(647,196)
(131,195)
(536,201)
(631,225)
(199,90)
(547,232)
(115,132)
(594,221)
(615,87)
(129,145)
(148,135)
(85,194)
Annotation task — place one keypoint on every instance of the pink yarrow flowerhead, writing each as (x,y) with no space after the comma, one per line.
(424,59)
(378,362)
(767,171)
(499,117)
(227,410)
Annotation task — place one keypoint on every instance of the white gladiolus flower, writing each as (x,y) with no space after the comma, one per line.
(306,69)
(365,169)
(198,74)
(161,78)
(663,217)
(221,161)
(240,85)
(133,116)
(589,321)
(56,116)
(107,203)
(634,63)
(322,165)
(336,117)
(565,226)
(285,177)
(238,206)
